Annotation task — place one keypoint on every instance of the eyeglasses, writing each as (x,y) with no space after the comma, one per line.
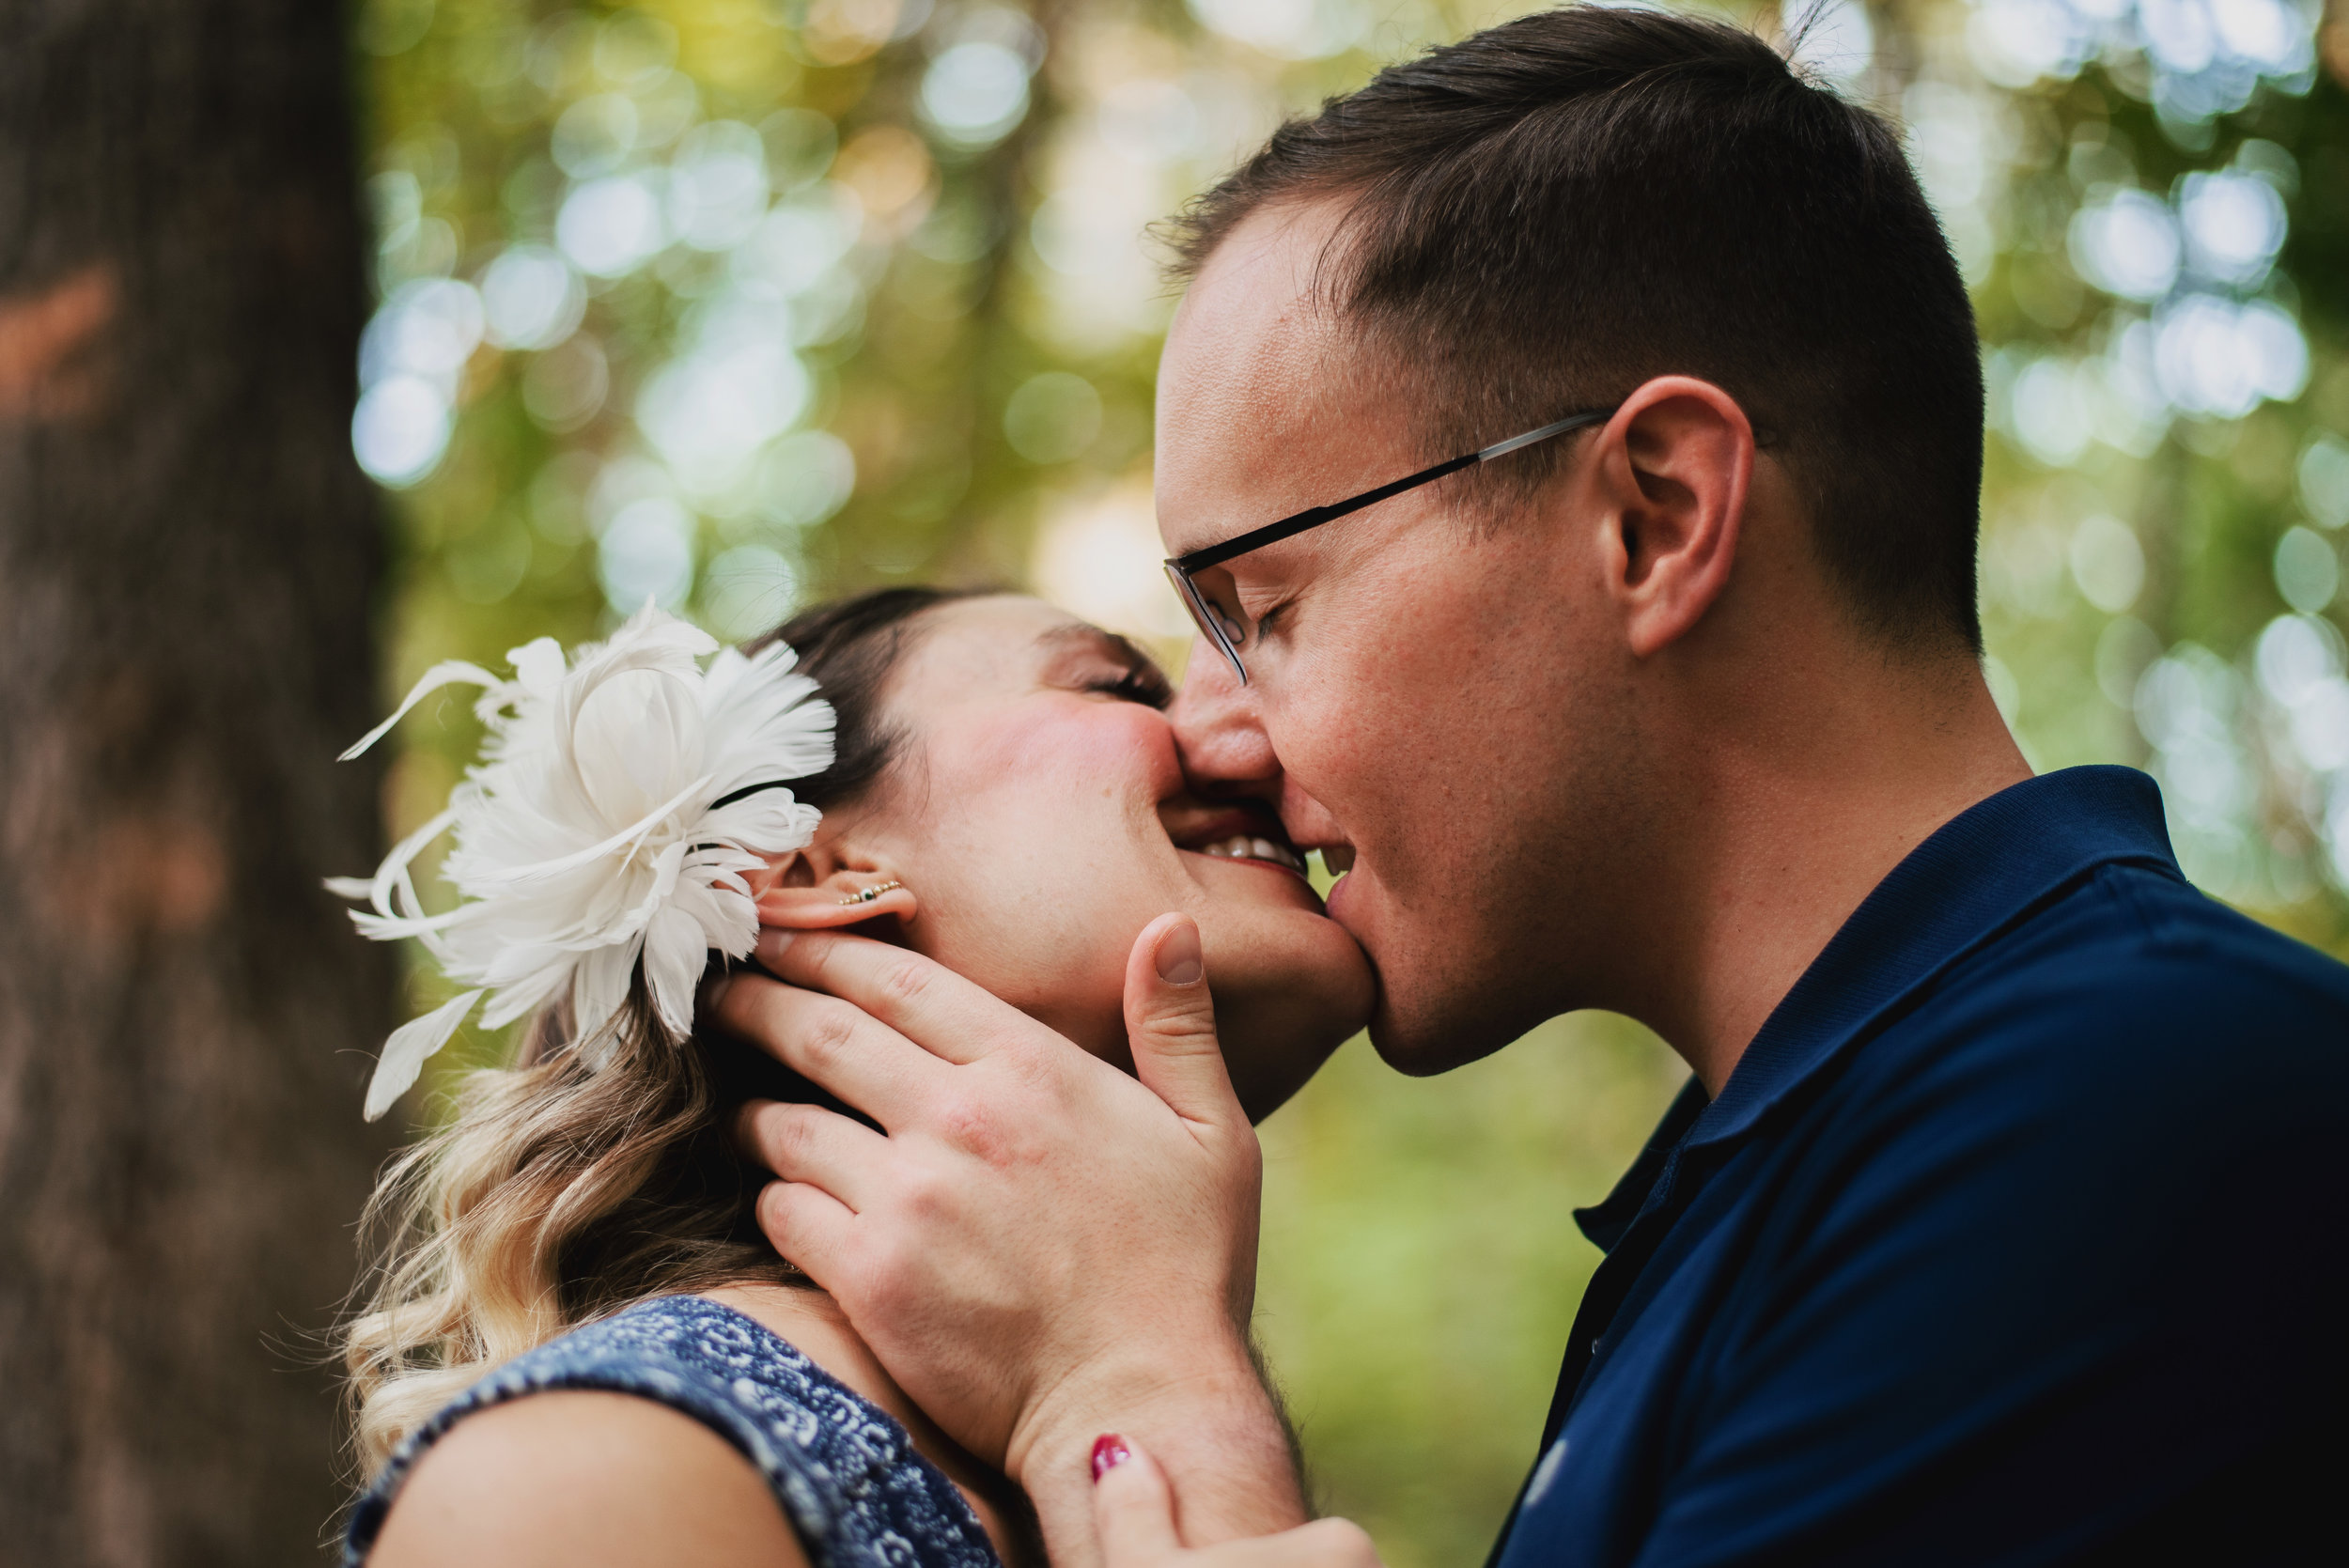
(1221,622)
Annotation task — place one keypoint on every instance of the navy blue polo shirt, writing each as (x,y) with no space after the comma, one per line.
(2018,1235)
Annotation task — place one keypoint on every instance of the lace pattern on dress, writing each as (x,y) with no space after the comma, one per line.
(844,1471)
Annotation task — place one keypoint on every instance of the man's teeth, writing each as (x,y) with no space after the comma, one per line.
(1245,849)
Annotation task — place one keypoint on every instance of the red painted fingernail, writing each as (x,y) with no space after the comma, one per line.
(1109,1452)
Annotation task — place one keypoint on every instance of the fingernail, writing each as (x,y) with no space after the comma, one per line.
(715,992)
(1178,958)
(1109,1452)
(772,944)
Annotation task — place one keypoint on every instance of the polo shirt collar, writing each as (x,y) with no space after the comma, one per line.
(1978,876)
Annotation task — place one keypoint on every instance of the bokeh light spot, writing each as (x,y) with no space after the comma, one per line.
(1097,557)
(1053,417)
(565,388)
(2127,245)
(975,93)
(531,297)
(399,429)
(2234,223)
(2108,563)
(1288,29)
(1833,37)
(646,552)
(595,135)
(805,478)
(2308,569)
(718,185)
(711,410)
(749,590)
(2324,476)
(610,227)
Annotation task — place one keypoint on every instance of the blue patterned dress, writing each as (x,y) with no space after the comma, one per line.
(847,1477)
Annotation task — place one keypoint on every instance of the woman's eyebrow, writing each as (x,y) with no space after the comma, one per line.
(1118,648)
(1091,639)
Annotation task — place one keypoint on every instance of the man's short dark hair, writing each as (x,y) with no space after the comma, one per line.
(1545,215)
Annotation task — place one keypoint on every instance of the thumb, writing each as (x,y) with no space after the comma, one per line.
(1133,1510)
(1170,1022)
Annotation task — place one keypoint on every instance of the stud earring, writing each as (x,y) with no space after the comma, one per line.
(872,893)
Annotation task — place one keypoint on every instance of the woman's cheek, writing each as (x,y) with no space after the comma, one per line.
(1018,919)
(1037,845)
(1150,744)
(1106,749)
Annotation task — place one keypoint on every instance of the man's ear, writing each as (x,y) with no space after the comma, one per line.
(820,886)
(1672,468)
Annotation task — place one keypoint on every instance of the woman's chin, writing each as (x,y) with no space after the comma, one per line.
(1288,990)
(1252,883)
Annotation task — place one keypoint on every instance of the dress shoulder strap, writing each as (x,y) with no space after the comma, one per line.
(844,1470)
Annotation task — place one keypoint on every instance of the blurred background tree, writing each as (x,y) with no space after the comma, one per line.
(189,558)
(735,303)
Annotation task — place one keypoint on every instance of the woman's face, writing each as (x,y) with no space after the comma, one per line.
(1040,819)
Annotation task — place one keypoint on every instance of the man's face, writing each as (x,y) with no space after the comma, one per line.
(1440,696)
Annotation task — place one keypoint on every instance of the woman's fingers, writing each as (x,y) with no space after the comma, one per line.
(948,1017)
(1132,1510)
(856,1056)
(810,1145)
(1134,1514)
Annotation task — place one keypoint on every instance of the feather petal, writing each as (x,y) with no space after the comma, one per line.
(600,986)
(539,666)
(409,1046)
(584,839)
(452,672)
(675,950)
(626,838)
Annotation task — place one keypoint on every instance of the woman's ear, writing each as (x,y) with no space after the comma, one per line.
(820,888)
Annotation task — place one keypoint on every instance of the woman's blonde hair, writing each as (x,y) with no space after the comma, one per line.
(559,1193)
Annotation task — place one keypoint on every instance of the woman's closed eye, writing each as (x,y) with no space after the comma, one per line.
(1080,657)
(1140,683)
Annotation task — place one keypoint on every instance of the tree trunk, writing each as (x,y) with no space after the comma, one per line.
(188,559)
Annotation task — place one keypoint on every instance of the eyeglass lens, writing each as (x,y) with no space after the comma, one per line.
(1219,624)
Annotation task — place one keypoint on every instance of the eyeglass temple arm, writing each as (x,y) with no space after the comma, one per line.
(1572,422)
(1272,533)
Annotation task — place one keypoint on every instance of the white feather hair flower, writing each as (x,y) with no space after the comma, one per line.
(615,807)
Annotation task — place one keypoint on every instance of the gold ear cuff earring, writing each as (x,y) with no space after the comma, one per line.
(872,893)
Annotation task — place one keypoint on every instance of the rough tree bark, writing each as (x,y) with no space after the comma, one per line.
(187,564)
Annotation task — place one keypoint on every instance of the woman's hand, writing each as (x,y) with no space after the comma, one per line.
(1041,1247)
(1133,1512)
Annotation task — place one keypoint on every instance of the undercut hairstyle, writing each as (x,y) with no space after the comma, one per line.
(1540,218)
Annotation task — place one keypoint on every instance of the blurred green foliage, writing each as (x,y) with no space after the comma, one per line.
(1422,1266)
(735,303)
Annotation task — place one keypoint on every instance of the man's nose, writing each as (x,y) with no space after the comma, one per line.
(1218,728)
